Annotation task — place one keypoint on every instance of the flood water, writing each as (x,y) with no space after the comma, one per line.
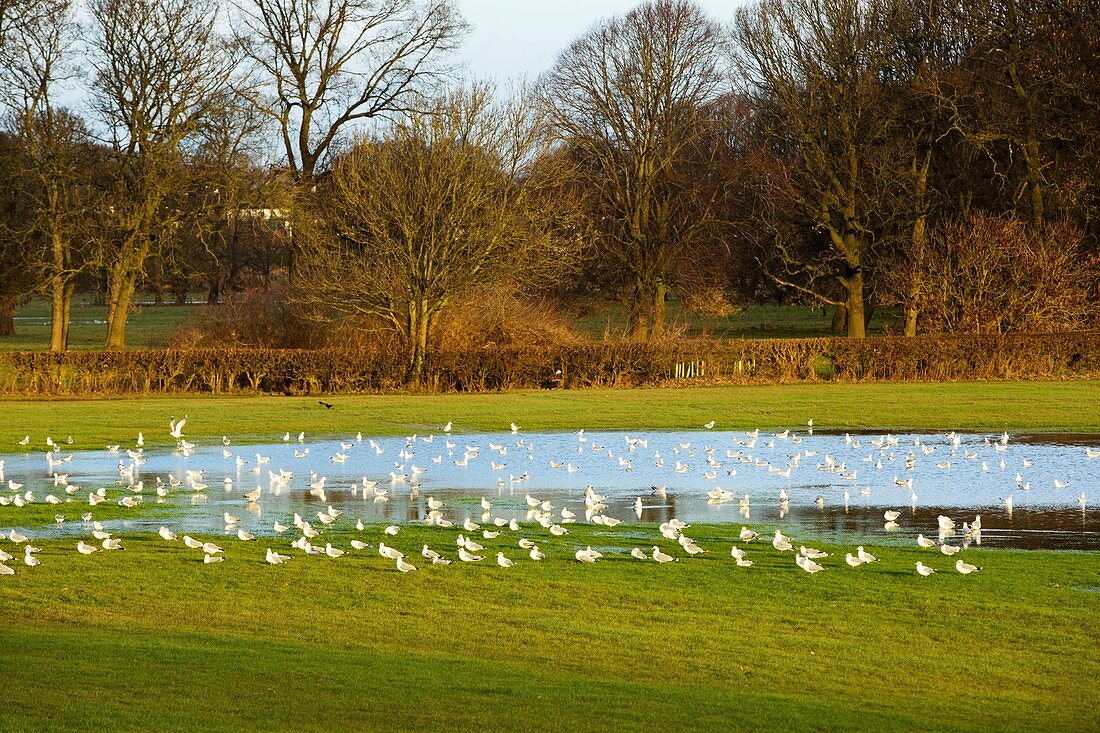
(958,476)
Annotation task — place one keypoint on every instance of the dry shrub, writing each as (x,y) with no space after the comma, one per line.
(264,318)
(992,274)
(298,371)
(500,319)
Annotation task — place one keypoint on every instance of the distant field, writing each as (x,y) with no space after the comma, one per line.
(976,406)
(755,321)
(151,326)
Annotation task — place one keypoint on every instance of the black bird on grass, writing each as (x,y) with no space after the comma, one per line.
(328,405)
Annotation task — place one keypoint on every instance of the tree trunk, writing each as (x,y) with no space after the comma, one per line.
(215,291)
(919,240)
(658,326)
(118,306)
(857,326)
(840,319)
(640,308)
(910,320)
(419,324)
(60,293)
(1035,182)
(7,318)
(57,313)
(66,315)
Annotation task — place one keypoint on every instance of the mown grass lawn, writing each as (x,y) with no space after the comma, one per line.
(1069,406)
(148,326)
(150,638)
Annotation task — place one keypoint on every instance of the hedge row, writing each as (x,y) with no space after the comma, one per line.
(925,358)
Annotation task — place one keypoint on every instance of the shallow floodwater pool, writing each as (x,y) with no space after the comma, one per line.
(837,486)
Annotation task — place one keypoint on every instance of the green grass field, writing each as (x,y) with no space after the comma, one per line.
(149,326)
(150,638)
(754,321)
(992,406)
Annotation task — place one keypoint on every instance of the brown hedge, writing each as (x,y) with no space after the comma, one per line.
(925,358)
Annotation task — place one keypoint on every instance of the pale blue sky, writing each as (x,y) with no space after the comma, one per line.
(513,38)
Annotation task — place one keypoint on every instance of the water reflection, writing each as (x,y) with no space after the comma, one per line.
(1028,490)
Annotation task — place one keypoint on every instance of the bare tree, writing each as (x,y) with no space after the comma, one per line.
(159,66)
(815,66)
(58,170)
(991,274)
(324,65)
(629,100)
(18,276)
(439,205)
(1026,103)
(233,206)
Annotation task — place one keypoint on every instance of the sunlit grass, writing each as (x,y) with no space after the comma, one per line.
(150,637)
(148,326)
(754,321)
(992,406)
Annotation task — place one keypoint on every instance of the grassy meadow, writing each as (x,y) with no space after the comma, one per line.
(151,638)
(751,322)
(152,326)
(149,326)
(991,406)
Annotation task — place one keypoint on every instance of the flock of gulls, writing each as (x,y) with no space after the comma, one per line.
(540,517)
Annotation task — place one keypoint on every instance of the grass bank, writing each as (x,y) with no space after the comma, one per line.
(991,406)
(151,638)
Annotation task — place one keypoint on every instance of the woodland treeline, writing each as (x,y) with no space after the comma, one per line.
(327,159)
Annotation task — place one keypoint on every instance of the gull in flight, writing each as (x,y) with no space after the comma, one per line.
(176,428)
